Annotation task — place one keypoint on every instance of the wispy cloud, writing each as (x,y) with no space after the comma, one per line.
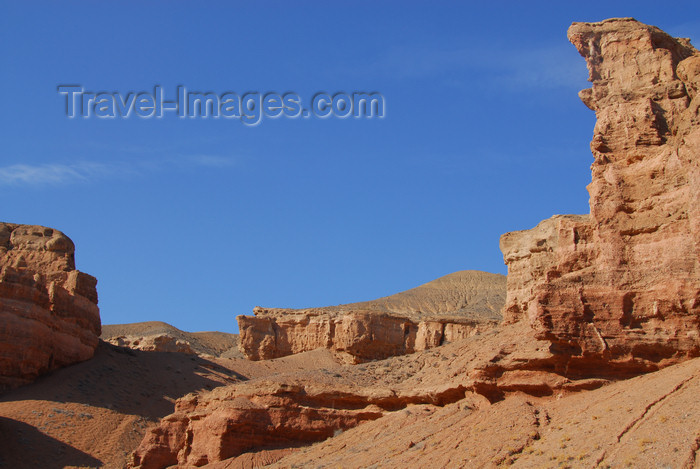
(52,173)
(90,171)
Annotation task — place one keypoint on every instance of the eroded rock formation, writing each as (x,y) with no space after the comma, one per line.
(622,285)
(267,415)
(48,310)
(450,308)
(157,336)
(153,343)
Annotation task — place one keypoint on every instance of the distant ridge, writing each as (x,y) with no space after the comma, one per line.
(218,344)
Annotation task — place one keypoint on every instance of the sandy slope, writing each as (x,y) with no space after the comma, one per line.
(94,413)
(646,422)
(468,293)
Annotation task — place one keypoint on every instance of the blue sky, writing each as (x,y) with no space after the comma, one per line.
(195,221)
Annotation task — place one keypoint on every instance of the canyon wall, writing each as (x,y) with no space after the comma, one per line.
(450,308)
(48,310)
(623,283)
(590,298)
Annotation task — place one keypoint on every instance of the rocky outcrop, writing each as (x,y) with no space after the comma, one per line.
(622,284)
(157,336)
(236,419)
(153,343)
(450,308)
(356,336)
(290,410)
(48,310)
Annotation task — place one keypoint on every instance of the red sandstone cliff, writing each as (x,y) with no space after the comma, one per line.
(450,308)
(622,285)
(48,310)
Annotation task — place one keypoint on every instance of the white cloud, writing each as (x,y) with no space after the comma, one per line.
(88,171)
(49,173)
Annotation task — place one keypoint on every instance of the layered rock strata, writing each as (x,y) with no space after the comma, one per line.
(622,285)
(450,308)
(48,310)
(266,415)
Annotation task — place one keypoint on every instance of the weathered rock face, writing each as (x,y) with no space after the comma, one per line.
(237,419)
(356,336)
(623,284)
(453,307)
(48,310)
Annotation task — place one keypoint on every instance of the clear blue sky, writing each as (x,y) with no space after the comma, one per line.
(196,221)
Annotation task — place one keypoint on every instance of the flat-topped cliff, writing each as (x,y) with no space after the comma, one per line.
(450,308)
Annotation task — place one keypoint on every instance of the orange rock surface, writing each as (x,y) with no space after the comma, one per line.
(94,413)
(292,409)
(48,310)
(153,343)
(622,285)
